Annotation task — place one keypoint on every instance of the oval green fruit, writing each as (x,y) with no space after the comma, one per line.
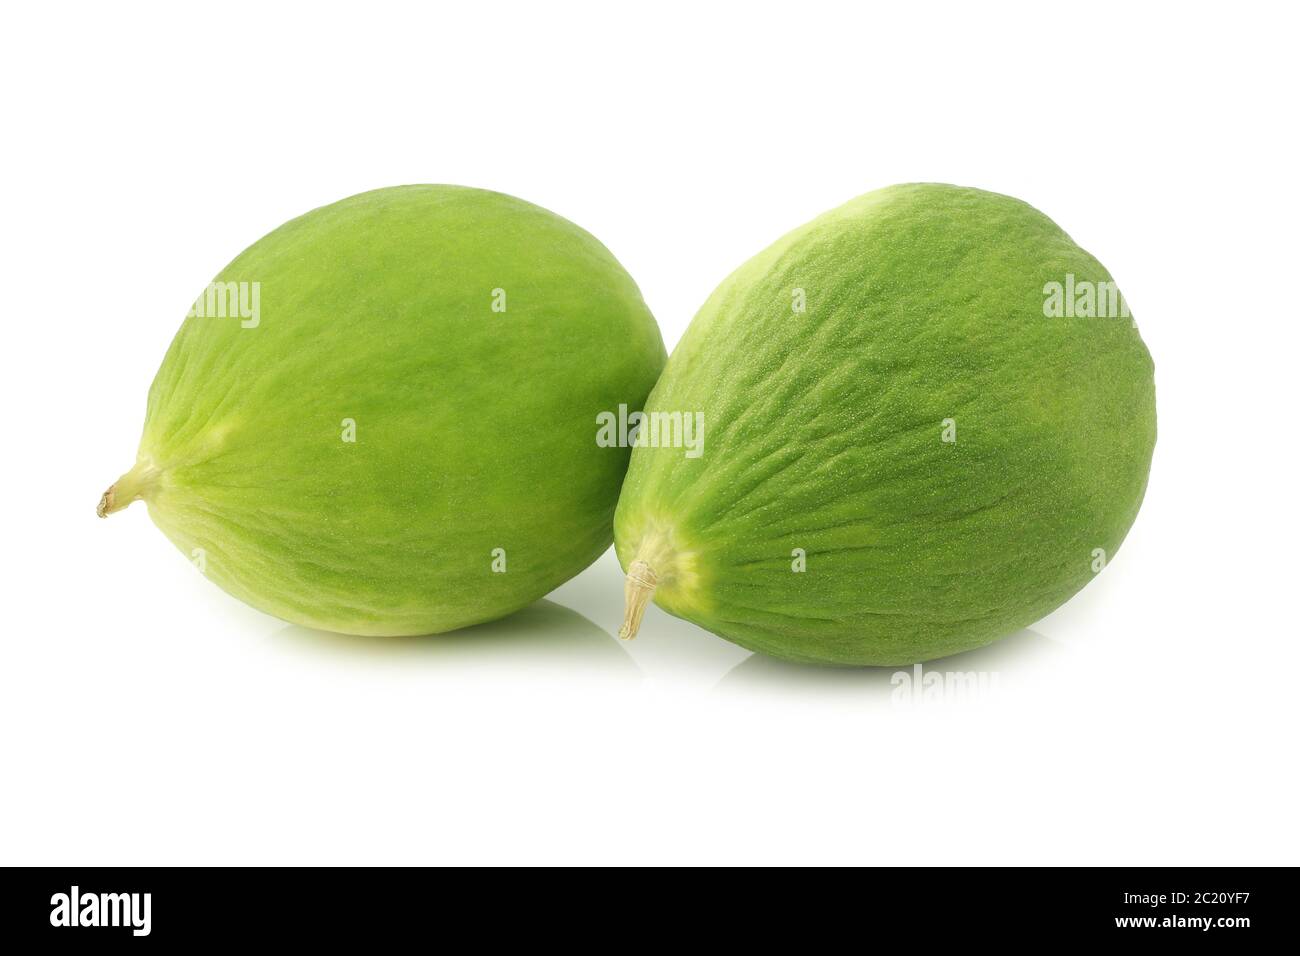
(381,418)
(927,421)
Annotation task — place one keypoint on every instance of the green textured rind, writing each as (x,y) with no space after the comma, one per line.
(823,433)
(475,430)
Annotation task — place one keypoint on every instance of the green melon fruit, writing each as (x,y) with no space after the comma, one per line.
(384,419)
(921,433)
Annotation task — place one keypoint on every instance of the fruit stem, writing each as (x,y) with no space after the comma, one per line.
(132,486)
(637,589)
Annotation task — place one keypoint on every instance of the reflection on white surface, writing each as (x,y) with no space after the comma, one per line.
(1019,653)
(543,638)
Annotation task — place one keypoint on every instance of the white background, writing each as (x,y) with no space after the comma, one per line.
(146,717)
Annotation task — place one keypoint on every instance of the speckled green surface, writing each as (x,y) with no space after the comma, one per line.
(823,433)
(475,430)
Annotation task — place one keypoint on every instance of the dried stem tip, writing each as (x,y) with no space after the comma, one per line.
(137,484)
(637,590)
(105,503)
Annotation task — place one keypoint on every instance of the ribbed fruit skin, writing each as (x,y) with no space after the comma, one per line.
(474,429)
(824,432)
